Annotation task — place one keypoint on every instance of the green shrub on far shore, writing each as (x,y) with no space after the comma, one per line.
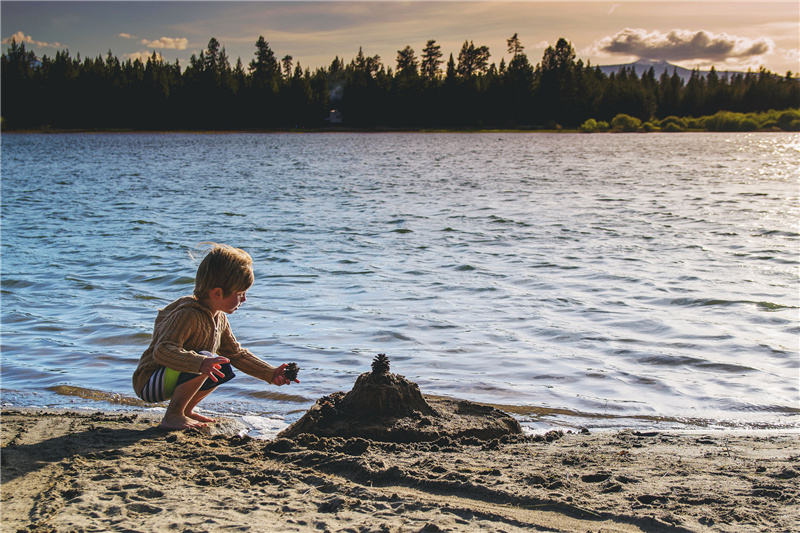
(674,123)
(789,120)
(694,123)
(672,127)
(727,121)
(590,126)
(723,121)
(626,123)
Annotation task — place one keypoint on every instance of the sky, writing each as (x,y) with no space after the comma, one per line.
(729,35)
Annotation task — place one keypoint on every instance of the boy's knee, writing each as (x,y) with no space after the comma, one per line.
(207,383)
(227,370)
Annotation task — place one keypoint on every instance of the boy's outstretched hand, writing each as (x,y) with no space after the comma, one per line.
(210,367)
(280,378)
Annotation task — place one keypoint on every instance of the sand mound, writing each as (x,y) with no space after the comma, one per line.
(388,407)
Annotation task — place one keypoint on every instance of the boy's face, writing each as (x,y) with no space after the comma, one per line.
(231,303)
(217,301)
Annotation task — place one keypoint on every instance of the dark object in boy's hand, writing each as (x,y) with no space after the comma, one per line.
(291,371)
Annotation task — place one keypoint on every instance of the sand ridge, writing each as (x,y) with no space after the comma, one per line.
(70,471)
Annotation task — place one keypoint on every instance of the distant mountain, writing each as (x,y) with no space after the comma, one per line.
(659,66)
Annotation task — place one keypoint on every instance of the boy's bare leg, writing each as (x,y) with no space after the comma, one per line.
(175,417)
(199,397)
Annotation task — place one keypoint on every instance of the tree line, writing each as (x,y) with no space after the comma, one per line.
(425,91)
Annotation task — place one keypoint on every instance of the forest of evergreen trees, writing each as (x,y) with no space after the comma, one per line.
(422,91)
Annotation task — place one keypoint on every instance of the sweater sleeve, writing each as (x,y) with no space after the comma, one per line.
(242,358)
(174,333)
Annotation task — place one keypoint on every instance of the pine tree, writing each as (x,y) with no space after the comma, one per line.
(264,68)
(431,59)
(407,62)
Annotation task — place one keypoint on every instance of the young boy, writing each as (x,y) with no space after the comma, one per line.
(180,364)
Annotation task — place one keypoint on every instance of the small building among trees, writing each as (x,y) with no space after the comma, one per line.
(335,117)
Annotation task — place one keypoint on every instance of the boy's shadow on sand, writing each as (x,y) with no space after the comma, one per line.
(19,459)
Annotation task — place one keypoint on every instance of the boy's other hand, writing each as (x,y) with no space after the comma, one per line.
(210,367)
(280,378)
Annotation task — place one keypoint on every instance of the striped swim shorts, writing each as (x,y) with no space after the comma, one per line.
(163,382)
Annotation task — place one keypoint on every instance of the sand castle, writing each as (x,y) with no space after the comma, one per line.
(387,407)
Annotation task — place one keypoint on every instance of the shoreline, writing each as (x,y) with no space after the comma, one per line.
(68,470)
(534,419)
(299,131)
(62,131)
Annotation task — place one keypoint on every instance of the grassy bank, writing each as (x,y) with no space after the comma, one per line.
(723,121)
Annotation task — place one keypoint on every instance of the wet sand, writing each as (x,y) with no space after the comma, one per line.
(71,471)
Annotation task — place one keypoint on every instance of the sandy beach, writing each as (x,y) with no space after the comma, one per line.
(75,471)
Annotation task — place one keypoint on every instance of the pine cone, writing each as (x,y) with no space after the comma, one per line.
(380,365)
(290,372)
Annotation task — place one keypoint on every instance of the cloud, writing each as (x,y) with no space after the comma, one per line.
(682,45)
(20,38)
(792,56)
(179,43)
(143,56)
(126,36)
(615,6)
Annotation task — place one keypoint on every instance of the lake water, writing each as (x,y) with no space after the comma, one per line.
(575,280)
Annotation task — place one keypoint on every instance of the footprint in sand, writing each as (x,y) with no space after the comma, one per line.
(595,478)
(143,508)
(149,494)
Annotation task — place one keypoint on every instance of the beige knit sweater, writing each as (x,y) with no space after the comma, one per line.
(186,327)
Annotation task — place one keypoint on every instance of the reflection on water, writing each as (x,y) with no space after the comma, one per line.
(604,280)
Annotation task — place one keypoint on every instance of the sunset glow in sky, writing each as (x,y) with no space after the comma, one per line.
(731,35)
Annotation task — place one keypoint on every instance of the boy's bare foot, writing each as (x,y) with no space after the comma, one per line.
(200,418)
(179,422)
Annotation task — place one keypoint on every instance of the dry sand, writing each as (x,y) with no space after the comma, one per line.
(70,471)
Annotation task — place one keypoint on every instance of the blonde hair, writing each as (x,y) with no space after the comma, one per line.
(223,266)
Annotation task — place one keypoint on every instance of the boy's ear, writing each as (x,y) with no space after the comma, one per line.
(216,293)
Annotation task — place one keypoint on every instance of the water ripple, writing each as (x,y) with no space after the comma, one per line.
(611,279)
